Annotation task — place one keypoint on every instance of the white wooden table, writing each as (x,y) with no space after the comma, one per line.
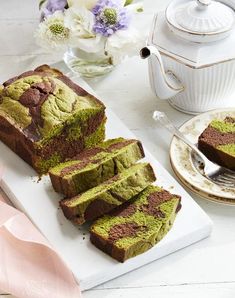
(204,270)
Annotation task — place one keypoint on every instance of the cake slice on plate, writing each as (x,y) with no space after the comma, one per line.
(108,195)
(217,142)
(137,226)
(94,166)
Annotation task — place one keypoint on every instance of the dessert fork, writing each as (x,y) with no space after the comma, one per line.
(217,174)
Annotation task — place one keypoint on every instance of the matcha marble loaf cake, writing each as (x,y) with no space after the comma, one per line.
(108,195)
(94,166)
(217,142)
(138,225)
(46,118)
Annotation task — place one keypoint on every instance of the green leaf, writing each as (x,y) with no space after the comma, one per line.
(128,2)
(41,2)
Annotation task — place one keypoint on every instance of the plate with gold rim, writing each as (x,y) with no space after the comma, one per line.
(182,164)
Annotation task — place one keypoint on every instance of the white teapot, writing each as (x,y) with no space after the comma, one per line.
(191,51)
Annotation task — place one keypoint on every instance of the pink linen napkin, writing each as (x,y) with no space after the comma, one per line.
(29,267)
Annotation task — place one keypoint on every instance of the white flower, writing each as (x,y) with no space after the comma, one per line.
(89,4)
(80,22)
(52,33)
(122,44)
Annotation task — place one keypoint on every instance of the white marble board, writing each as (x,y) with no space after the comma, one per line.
(89,265)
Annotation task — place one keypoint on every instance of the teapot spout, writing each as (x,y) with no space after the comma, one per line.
(165,83)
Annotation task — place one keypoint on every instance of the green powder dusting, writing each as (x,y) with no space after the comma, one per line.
(74,133)
(224,127)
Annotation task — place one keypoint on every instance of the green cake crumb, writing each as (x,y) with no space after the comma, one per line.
(15,112)
(229,149)
(44,165)
(96,137)
(222,126)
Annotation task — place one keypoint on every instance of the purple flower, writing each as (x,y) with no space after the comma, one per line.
(52,6)
(110,16)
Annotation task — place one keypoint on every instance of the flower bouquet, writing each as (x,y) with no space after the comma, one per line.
(95,35)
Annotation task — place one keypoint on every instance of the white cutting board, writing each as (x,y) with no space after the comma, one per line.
(89,265)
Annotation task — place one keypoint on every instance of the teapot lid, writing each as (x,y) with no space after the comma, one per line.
(200,20)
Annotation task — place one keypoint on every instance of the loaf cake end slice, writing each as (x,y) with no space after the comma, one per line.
(46,118)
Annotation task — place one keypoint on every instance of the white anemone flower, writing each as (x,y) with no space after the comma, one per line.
(52,33)
(122,44)
(80,22)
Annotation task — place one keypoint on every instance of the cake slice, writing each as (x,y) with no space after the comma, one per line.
(108,195)
(217,142)
(95,166)
(136,226)
(46,118)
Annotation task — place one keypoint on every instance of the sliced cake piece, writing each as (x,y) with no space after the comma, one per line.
(136,226)
(108,195)
(95,166)
(217,142)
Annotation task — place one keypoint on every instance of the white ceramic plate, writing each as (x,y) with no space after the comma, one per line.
(89,265)
(181,161)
